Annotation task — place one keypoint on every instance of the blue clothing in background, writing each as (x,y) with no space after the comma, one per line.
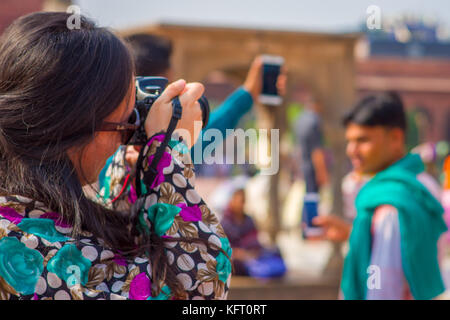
(226,116)
(309,135)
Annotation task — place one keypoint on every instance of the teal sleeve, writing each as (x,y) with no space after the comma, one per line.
(226,116)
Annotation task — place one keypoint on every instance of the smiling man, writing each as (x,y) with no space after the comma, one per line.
(393,240)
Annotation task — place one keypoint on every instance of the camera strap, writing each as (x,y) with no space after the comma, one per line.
(151,173)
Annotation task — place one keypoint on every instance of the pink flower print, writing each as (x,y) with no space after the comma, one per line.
(140,287)
(159,138)
(163,163)
(56,217)
(11,214)
(190,213)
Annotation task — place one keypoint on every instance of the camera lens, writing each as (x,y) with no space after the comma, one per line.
(134,117)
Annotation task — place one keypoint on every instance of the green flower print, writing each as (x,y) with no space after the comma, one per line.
(20,266)
(70,265)
(162,215)
(223,262)
(44,228)
(163,295)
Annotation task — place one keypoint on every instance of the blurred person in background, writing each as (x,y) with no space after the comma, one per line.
(241,231)
(308,129)
(309,135)
(250,257)
(399,218)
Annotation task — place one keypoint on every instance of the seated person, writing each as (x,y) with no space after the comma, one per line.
(249,257)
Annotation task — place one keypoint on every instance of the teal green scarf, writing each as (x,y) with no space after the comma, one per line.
(421,224)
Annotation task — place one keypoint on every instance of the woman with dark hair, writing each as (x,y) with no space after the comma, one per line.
(61,92)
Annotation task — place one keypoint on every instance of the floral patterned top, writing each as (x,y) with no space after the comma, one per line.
(40,260)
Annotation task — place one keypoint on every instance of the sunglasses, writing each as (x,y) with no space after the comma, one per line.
(127,129)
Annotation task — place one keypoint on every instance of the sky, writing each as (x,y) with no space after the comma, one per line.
(298,15)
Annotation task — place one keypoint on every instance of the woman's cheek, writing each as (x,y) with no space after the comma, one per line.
(107,144)
(97,153)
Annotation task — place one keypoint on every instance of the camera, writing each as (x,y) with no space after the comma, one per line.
(148,89)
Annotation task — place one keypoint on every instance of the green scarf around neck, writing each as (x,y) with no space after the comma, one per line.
(421,224)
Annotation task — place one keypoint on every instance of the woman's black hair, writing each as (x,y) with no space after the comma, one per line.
(56,87)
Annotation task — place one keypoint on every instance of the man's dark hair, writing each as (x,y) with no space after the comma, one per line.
(151,53)
(378,110)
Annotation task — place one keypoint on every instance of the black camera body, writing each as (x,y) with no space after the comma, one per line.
(148,89)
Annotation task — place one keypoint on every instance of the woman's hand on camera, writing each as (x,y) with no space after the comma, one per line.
(161,112)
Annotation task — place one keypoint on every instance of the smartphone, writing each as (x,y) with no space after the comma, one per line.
(271,71)
(310,211)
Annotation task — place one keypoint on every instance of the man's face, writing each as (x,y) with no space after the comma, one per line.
(372,149)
